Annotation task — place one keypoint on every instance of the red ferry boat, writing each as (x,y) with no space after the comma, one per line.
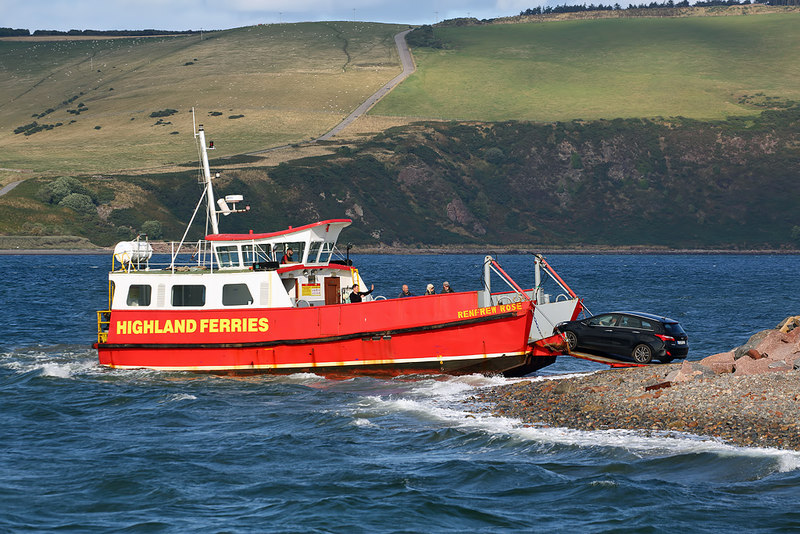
(239,303)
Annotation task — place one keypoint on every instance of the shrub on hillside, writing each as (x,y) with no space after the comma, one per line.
(78,202)
(57,190)
(424,37)
(152,229)
(163,113)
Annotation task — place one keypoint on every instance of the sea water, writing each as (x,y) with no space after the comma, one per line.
(89,449)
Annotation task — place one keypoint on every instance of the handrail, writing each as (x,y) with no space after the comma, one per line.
(557,278)
(103,319)
(508,280)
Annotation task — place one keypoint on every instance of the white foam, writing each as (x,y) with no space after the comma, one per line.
(458,387)
(443,409)
(177,397)
(62,370)
(361,421)
(64,364)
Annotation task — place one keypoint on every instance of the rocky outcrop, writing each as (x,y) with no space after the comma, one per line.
(768,351)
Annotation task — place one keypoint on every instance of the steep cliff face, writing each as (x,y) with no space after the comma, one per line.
(676,183)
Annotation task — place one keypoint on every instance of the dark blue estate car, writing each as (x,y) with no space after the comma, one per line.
(642,336)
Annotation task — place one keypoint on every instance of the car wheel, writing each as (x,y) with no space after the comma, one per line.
(642,354)
(572,339)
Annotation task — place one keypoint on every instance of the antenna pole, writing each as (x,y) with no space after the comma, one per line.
(212,212)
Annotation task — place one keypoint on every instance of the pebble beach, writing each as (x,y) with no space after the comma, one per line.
(754,411)
(746,397)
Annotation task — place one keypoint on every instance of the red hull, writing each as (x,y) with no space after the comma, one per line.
(441,333)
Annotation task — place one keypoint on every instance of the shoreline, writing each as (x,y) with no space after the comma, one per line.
(746,397)
(747,411)
(161,248)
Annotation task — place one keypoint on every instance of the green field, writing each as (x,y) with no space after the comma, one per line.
(698,67)
(265,85)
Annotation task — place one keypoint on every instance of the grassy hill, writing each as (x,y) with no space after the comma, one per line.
(719,171)
(700,67)
(254,87)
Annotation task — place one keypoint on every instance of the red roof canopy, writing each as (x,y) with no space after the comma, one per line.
(248,237)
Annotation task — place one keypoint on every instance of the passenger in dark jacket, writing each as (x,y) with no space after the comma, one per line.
(446,288)
(405,292)
(355,295)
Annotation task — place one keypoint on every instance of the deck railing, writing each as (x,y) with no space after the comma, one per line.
(103,325)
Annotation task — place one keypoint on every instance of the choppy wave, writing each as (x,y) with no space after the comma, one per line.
(444,402)
(87,448)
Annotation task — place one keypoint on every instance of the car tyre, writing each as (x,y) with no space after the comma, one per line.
(572,339)
(642,353)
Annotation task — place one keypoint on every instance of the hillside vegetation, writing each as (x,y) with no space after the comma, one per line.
(700,67)
(103,105)
(680,133)
(634,182)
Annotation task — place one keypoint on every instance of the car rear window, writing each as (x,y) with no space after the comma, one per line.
(674,329)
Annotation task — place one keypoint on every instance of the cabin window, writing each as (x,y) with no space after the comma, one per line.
(326,249)
(194,295)
(236,295)
(228,256)
(255,254)
(281,250)
(139,295)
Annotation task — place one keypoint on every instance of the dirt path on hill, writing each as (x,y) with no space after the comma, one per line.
(408,68)
(9,187)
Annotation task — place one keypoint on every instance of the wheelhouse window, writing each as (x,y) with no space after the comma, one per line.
(189,295)
(236,295)
(228,256)
(320,252)
(282,252)
(256,253)
(139,295)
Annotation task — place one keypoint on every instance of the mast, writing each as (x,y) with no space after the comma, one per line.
(212,212)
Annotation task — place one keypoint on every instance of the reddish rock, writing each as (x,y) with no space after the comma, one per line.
(778,345)
(748,366)
(754,340)
(719,363)
(753,353)
(792,359)
(685,373)
(780,366)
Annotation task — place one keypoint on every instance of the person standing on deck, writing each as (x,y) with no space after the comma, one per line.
(355,295)
(446,288)
(405,292)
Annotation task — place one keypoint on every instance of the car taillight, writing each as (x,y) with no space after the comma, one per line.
(665,338)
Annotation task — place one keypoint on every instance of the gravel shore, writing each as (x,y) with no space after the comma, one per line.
(757,411)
